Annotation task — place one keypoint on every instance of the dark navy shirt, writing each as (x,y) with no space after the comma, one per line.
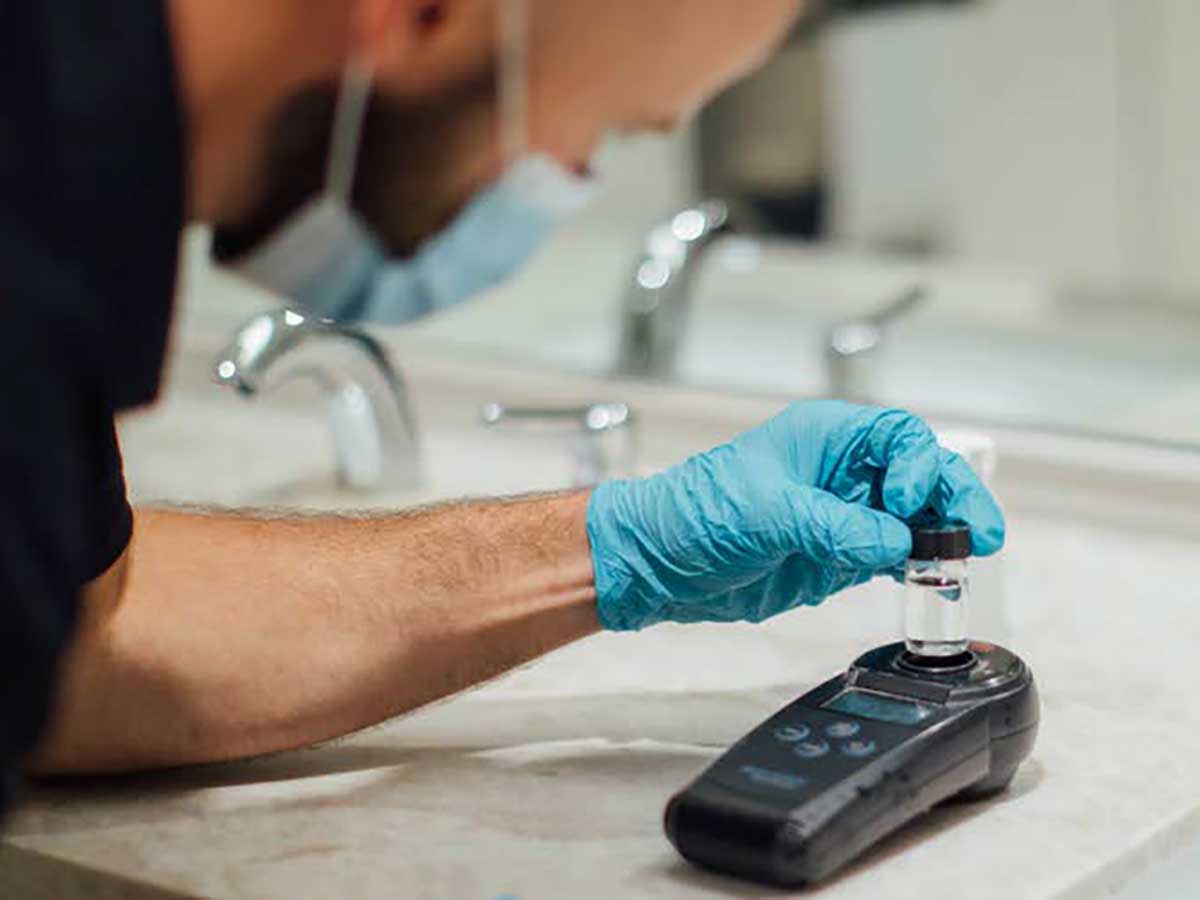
(91,205)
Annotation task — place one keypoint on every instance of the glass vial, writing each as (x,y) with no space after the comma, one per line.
(936,590)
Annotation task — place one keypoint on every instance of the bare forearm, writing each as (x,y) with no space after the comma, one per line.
(236,636)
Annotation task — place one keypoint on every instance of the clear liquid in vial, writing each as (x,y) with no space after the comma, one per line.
(935,615)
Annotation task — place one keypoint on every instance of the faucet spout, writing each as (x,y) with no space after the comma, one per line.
(374,431)
(658,299)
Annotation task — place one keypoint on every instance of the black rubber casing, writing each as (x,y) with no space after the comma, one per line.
(985,724)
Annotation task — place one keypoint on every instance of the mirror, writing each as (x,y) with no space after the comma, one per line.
(984,210)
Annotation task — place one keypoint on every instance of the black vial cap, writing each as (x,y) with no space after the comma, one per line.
(941,540)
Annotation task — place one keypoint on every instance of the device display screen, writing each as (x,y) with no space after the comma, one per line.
(880,707)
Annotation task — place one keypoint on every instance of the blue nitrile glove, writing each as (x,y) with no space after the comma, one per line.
(798,509)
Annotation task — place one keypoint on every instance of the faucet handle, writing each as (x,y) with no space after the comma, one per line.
(850,342)
(851,337)
(602,436)
(899,305)
(597,417)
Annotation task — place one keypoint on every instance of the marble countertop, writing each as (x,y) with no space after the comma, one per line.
(551,782)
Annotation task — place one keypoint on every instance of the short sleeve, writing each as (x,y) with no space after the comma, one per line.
(63,515)
(112,517)
(92,200)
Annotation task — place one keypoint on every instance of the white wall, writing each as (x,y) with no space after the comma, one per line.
(1035,168)
(1181,141)
(1061,135)
(889,84)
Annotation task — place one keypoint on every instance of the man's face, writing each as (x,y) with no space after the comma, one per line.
(431,139)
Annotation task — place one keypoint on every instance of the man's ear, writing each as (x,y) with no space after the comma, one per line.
(390,33)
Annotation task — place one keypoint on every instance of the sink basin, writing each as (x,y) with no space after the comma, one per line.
(267,453)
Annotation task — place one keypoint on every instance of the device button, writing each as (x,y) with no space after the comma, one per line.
(779,780)
(790,734)
(858,748)
(813,749)
(842,729)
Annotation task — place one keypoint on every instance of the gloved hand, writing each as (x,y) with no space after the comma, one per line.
(802,507)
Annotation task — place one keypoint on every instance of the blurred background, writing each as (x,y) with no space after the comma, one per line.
(982,210)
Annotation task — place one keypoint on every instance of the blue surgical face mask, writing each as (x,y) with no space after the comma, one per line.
(327,260)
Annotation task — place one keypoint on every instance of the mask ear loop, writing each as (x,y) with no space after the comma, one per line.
(513,77)
(354,96)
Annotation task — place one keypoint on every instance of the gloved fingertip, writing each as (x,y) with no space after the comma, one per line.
(988,539)
(895,542)
(962,495)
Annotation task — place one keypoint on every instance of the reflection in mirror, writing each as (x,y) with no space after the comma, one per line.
(1030,167)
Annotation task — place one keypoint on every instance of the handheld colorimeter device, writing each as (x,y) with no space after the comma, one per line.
(830,774)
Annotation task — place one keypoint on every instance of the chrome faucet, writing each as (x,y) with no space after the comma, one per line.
(849,344)
(602,436)
(657,301)
(374,431)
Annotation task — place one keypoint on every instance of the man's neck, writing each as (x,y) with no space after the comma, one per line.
(237,61)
